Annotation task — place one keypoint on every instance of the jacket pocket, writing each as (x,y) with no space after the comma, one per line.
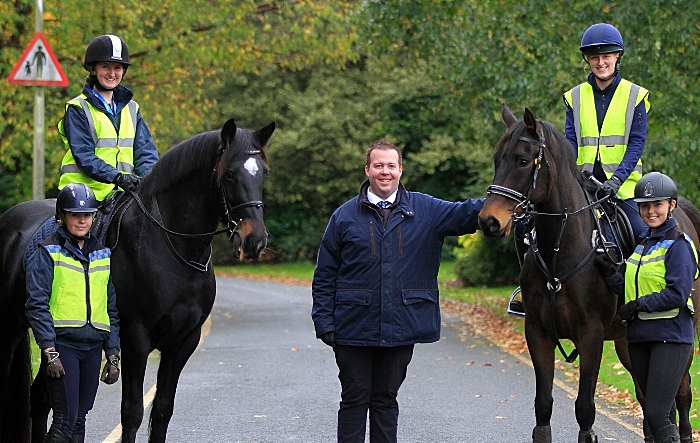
(420,315)
(353,318)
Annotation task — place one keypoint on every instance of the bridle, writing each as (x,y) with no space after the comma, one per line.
(554,284)
(228,218)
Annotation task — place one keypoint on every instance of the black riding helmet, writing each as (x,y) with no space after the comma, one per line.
(76,197)
(106,48)
(655,186)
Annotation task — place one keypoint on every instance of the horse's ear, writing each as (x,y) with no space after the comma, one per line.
(507,115)
(530,121)
(228,132)
(263,134)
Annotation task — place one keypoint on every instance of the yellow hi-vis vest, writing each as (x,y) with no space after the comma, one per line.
(611,142)
(78,295)
(114,149)
(652,270)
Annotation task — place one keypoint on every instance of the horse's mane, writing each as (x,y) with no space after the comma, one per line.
(194,155)
(197,155)
(558,149)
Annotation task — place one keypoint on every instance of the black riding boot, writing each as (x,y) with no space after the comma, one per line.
(669,434)
(77,438)
(55,436)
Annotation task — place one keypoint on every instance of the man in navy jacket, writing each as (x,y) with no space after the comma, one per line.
(375,291)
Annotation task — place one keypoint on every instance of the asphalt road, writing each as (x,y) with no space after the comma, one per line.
(260,376)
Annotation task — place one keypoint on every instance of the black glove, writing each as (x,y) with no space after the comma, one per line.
(54,368)
(328,338)
(110,373)
(128,182)
(611,186)
(604,265)
(628,310)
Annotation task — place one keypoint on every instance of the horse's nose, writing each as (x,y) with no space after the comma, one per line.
(490,226)
(253,246)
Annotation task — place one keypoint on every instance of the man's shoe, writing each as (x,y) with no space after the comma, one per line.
(515,307)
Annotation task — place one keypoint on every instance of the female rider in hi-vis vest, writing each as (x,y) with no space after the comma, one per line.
(656,282)
(606,120)
(108,142)
(72,310)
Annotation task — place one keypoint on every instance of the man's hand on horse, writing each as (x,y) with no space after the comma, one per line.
(328,338)
(128,182)
(611,186)
(54,367)
(605,266)
(110,373)
(629,310)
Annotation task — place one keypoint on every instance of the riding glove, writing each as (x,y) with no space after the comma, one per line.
(604,265)
(128,182)
(110,373)
(54,367)
(611,186)
(629,310)
(328,338)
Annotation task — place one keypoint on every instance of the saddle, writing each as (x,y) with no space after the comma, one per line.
(615,231)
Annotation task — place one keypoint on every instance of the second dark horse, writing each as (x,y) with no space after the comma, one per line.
(564,295)
(161,251)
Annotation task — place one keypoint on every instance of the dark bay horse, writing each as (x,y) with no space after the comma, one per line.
(161,268)
(564,294)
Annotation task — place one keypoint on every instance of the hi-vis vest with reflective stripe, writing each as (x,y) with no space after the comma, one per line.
(611,143)
(647,275)
(79,296)
(114,149)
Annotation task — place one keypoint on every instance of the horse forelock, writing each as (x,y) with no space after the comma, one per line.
(243,144)
(194,155)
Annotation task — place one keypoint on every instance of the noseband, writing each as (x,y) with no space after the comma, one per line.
(522,199)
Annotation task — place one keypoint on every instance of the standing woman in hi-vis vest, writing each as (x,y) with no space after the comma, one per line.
(72,310)
(606,120)
(656,281)
(108,142)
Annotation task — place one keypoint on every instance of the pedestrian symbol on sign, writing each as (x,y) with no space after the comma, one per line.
(38,66)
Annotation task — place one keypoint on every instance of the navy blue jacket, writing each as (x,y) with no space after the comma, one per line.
(680,274)
(40,274)
(376,285)
(82,146)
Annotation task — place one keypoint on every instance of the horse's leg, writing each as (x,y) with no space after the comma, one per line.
(171,364)
(15,376)
(591,351)
(684,400)
(541,349)
(40,407)
(135,350)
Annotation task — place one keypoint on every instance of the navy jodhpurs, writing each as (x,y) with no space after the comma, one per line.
(73,395)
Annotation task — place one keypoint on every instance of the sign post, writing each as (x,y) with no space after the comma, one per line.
(38,67)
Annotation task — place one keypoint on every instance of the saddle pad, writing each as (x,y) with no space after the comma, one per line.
(45,231)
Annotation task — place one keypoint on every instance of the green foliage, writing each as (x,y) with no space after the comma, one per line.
(486,262)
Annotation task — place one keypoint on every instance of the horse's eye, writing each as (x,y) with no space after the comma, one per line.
(229,175)
(523,162)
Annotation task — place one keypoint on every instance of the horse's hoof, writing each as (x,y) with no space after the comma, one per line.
(587,436)
(542,434)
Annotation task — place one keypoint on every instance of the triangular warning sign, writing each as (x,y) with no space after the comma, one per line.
(38,66)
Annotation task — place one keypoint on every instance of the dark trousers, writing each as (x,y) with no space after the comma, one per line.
(73,395)
(629,207)
(370,378)
(659,368)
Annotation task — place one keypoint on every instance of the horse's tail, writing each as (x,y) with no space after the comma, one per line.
(693,214)
(15,423)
